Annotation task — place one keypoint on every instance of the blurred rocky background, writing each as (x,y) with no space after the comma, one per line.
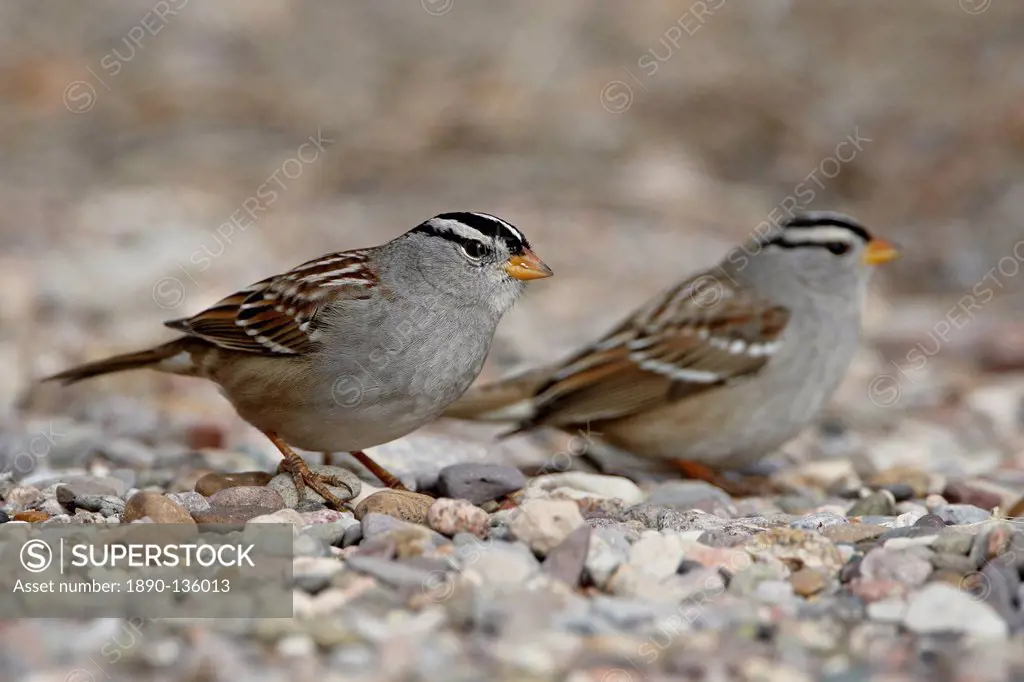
(156,156)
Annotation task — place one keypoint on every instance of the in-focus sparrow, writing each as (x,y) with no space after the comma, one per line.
(722,368)
(357,348)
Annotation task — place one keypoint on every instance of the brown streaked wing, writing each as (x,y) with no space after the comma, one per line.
(277,316)
(680,344)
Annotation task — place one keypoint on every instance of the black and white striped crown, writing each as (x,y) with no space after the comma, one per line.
(824,229)
(461,226)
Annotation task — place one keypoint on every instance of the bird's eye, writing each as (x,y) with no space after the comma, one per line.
(475,250)
(838,248)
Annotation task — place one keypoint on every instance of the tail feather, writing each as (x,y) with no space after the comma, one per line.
(509,400)
(151,358)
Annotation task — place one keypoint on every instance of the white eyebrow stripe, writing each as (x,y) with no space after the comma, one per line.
(822,234)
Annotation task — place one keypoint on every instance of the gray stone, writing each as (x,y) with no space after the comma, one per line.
(393,573)
(953,542)
(566,561)
(500,563)
(544,524)
(818,520)
(479,483)
(309,546)
(940,607)
(962,514)
(353,535)
(910,566)
(879,503)
(331,533)
(686,495)
(192,501)
(623,613)
(313,574)
(608,549)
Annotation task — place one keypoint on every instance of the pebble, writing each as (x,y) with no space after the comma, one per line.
(230,515)
(819,520)
(566,562)
(930,521)
(333,533)
(962,514)
(448,517)
(107,505)
(915,480)
(961,492)
(881,503)
(401,504)
(500,563)
(910,518)
(807,581)
(158,507)
(213,483)
(662,518)
(616,487)
(312,518)
(313,574)
(479,483)
(287,516)
(284,484)
(953,542)
(544,524)
(407,539)
(853,533)
(20,497)
(247,496)
(796,548)
(939,607)
(31,516)
(393,573)
(732,561)
(608,549)
(910,566)
(353,536)
(658,554)
(686,495)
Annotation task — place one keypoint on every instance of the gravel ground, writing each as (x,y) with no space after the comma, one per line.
(842,572)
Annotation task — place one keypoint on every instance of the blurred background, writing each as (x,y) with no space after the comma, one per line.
(158,155)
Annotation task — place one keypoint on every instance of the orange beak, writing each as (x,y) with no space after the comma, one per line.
(879,251)
(527,266)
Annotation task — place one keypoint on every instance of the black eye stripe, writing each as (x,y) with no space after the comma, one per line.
(838,248)
(463,242)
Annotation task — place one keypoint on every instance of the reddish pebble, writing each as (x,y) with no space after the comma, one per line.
(32,516)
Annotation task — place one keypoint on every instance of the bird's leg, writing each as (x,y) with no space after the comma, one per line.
(386,477)
(702,472)
(328,459)
(302,476)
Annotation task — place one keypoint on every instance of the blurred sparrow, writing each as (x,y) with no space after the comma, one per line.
(355,348)
(720,369)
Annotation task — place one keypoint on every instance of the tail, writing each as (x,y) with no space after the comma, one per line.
(163,357)
(509,400)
